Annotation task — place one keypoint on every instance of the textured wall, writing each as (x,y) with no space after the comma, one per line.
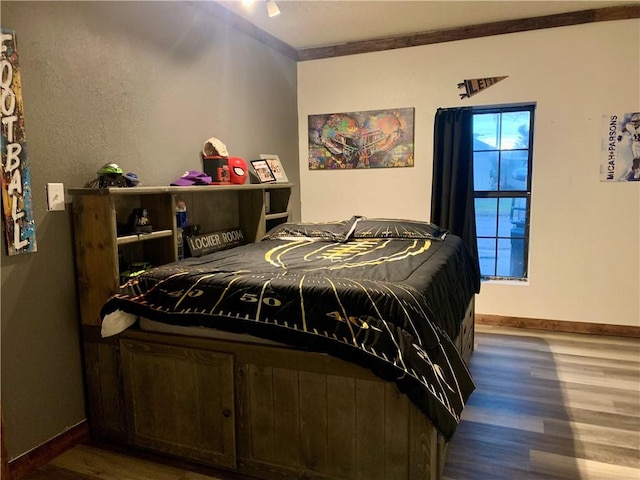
(142,84)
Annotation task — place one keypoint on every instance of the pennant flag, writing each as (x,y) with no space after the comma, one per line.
(475,85)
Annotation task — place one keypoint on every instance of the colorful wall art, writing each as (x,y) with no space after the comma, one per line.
(370,139)
(17,205)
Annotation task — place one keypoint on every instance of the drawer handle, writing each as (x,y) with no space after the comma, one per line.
(226,413)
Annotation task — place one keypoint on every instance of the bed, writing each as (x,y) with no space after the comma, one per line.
(316,322)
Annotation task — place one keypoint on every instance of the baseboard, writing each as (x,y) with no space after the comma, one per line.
(559,325)
(29,462)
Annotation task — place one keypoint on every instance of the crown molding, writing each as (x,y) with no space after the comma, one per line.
(623,12)
(472,31)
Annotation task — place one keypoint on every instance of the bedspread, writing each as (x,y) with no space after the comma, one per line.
(389,304)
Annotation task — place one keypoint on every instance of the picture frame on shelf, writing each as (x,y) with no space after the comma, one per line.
(263,171)
(276,167)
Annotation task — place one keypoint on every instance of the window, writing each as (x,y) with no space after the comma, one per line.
(502,144)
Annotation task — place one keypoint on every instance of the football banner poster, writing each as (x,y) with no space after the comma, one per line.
(17,206)
(369,139)
(620,148)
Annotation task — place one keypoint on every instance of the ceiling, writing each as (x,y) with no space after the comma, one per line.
(313,23)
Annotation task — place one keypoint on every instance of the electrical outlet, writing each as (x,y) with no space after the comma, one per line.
(55,196)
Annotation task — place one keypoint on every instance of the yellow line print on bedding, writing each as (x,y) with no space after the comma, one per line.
(351,249)
(264,287)
(190,289)
(159,283)
(344,312)
(411,291)
(224,292)
(303,313)
(274,256)
(406,313)
(386,325)
(278,254)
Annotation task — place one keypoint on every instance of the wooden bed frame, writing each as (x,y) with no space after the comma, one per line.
(271,412)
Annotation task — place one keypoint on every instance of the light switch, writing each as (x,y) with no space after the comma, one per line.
(55,196)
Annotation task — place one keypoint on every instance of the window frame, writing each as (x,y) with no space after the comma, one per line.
(500,194)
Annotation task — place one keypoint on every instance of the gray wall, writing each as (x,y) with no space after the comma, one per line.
(141,84)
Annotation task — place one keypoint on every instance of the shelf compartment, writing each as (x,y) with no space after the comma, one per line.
(141,237)
(275,216)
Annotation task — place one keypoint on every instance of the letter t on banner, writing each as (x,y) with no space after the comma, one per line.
(17,206)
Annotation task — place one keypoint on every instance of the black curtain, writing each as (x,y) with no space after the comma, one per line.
(452,202)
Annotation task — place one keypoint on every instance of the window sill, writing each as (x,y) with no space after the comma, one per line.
(517,283)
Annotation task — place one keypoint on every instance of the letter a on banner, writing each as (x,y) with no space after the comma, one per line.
(476,85)
(17,207)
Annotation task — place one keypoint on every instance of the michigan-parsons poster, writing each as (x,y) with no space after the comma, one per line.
(620,160)
(370,139)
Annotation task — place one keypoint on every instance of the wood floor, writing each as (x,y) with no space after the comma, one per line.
(550,406)
(547,406)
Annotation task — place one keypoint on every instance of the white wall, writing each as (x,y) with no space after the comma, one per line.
(585,235)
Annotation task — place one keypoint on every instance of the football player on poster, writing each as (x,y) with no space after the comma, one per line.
(631,129)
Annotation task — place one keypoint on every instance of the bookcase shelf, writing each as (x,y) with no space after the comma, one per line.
(275,216)
(141,237)
(101,214)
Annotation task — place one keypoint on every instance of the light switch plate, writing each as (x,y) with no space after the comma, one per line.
(55,196)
